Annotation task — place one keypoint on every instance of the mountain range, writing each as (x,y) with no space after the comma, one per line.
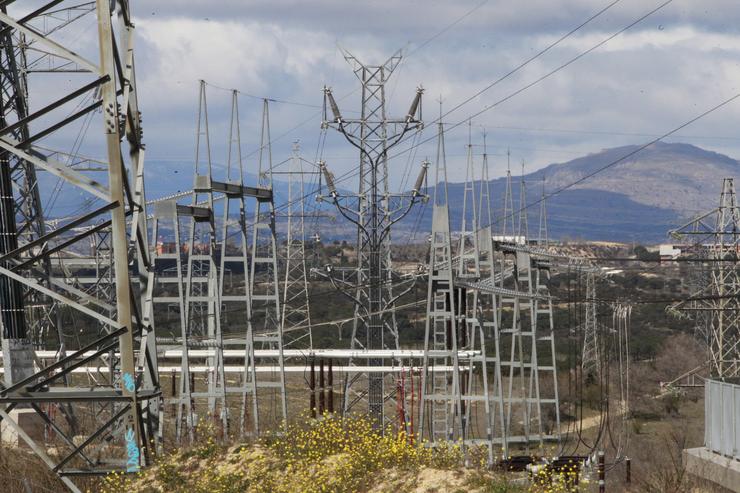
(607,196)
(601,196)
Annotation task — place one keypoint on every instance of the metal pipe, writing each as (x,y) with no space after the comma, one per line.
(321,386)
(628,470)
(411,423)
(312,389)
(173,391)
(330,384)
(602,473)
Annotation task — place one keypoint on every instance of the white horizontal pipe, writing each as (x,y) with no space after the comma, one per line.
(292,353)
(275,369)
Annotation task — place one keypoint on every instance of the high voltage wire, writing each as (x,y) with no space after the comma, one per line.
(423,45)
(545,76)
(353,173)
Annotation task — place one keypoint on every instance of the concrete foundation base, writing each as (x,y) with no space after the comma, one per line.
(705,464)
(29,421)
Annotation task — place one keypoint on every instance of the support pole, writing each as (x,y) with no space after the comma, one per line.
(602,473)
(312,389)
(321,387)
(330,385)
(628,470)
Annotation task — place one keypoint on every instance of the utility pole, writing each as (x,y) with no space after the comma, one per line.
(373,210)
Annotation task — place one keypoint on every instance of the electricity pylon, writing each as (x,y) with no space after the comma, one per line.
(523,228)
(542,235)
(126,402)
(508,210)
(489,316)
(296,316)
(441,397)
(475,389)
(530,336)
(267,332)
(590,362)
(373,210)
(718,232)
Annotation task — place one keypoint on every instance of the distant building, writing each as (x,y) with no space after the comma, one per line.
(519,240)
(668,252)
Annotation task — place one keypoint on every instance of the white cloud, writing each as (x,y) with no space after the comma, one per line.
(662,72)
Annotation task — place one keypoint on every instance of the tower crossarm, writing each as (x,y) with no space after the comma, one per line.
(203,184)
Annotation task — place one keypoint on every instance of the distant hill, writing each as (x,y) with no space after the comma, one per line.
(637,199)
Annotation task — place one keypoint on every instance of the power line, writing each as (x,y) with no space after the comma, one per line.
(626,156)
(548,74)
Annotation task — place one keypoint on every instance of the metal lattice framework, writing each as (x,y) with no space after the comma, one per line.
(373,210)
(118,415)
(530,338)
(441,417)
(716,234)
(266,329)
(476,398)
(590,362)
(296,315)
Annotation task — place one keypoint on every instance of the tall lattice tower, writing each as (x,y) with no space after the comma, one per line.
(542,235)
(267,328)
(718,232)
(441,394)
(99,88)
(523,227)
(590,357)
(507,215)
(373,210)
(296,315)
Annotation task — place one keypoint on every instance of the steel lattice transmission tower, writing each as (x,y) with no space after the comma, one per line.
(266,330)
(508,212)
(523,227)
(718,233)
(17,349)
(542,235)
(102,92)
(590,362)
(373,210)
(441,416)
(296,315)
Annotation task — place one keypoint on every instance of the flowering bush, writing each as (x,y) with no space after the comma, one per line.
(330,454)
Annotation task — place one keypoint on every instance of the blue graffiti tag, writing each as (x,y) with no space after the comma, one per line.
(128,382)
(132,452)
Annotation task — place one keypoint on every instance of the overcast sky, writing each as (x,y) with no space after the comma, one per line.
(663,71)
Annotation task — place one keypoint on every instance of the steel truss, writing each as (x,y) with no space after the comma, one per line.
(266,330)
(530,340)
(296,314)
(216,250)
(118,416)
(440,414)
(716,235)
(590,360)
(373,210)
(476,399)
